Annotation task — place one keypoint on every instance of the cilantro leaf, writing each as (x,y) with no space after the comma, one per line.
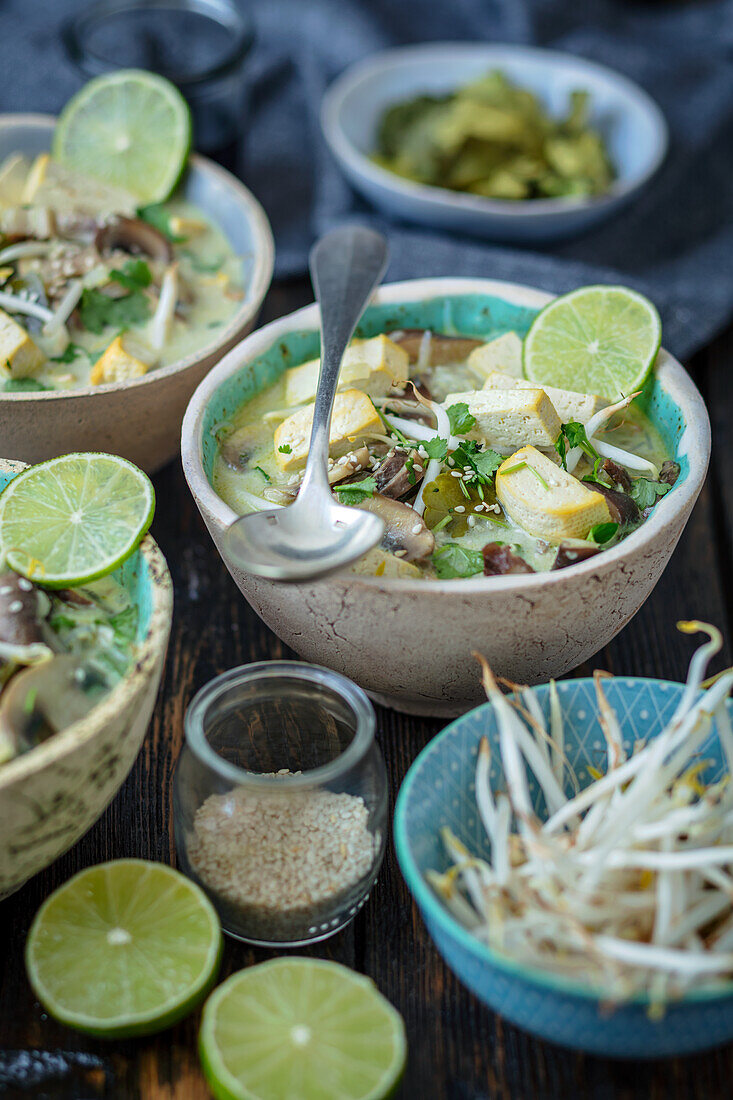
(124,624)
(97,311)
(460,419)
(155,214)
(23,385)
(356,491)
(286,449)
(602,533)
(646,492)
(479,463)
(69,354)
(453,560)
(135,275)
(436,448)
(573,435)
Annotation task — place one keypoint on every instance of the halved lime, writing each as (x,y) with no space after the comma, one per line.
(129,128)
(74,519)
(598,339)
(301,1029)
(123,948)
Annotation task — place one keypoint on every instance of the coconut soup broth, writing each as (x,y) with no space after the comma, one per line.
(246,471)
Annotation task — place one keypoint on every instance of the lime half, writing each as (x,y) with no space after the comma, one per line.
(301,1029)
(598,339)
(124,948)
(128,128)
(74,519)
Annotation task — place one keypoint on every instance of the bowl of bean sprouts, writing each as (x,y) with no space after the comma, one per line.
(570,848)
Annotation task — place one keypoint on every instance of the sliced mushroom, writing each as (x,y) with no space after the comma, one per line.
(500,561)
(349,465)
(405,534)
(572,551)
(22,611)
(135,236)
(238,448)
(42,701)
(396,476)
(669,472)
(617,474)
(443,348)
(623,508)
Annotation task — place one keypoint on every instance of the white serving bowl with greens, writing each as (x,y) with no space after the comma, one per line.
(408,642)
(139,417)
(51,794)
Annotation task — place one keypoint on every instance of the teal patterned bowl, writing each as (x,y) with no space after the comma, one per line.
(439,790)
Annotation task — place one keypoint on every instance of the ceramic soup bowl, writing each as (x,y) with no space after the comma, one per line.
(139,419)
(409,642)
(51,795)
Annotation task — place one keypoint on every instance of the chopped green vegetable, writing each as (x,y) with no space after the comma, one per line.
(453,560)
(460,419)
(480,463)
(356,491)
(521,466)
(155,214)
(646,492)
(23,385)
(125,624)
(135,275)
(70,353)
(436,448)
(497,139)
(98,312)
(574,435)
(286,449)
(265,475)
(602,533)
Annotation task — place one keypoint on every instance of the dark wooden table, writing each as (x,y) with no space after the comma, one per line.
(458,1050)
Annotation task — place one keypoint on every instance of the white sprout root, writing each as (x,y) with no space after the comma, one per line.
(626,885)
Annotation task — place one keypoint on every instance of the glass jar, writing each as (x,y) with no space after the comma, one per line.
(280,801)
(199,45)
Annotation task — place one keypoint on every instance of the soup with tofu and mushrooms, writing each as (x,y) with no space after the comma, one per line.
(473,469)
(94,289)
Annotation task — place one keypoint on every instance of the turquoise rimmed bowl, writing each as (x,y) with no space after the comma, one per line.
(439,790)
(409,642)
(51,795)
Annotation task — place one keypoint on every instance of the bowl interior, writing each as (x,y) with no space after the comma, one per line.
(480,315)
(439,789)
(629,120)
(134,575)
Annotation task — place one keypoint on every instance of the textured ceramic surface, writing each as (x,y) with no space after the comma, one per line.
(51,795)
(439,790)
(140,419)
(631,122)
(409,643)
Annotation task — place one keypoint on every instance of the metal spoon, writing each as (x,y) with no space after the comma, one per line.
(315,535)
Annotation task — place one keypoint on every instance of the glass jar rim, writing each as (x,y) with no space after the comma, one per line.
(354,696)
(224,12)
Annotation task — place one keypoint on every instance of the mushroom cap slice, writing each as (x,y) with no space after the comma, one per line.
(443,349)
(406,534)
(136,236)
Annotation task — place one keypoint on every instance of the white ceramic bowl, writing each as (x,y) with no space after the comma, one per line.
(139,419)
(631,122)
(407,642)
(51,795)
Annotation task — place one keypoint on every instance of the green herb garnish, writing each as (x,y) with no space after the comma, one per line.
(261,471)
(98,312)
(356,491)
(480,463)
(125,624)
(646,492)
(574,435)
(602,533)
(453,560)
(69,354)
(286,449)
(23,385)
(134,275)
(460,419)
(521,466)
(436,448)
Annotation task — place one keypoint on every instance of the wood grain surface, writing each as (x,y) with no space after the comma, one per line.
(458,1050)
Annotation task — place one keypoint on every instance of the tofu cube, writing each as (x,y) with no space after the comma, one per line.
(354,421)
(117,364)
(372,366)
(19,354)
(566,509)
(568,404)
(506,419)
(504,354)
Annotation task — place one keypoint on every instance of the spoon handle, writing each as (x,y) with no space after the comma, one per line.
(346,265)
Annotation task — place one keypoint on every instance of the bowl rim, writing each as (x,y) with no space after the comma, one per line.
(263,254)
(674,378)
(428,903)
(359,164)
(150,650)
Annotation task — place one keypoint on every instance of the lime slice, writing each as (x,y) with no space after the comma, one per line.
(300,1029)
(598,339)
(124,948)
(130,129)
(74,519)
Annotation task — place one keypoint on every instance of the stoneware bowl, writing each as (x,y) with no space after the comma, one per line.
(630,121)
(51,795)
(438,790)
(407,642)
(139,419)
